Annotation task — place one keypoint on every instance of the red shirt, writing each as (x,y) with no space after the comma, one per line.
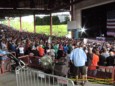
(94,62)
(41,51)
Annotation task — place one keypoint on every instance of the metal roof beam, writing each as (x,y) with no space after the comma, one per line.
(66,5)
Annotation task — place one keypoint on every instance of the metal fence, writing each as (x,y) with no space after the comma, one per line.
(26,76)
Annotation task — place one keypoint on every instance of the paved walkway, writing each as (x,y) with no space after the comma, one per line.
(8,79)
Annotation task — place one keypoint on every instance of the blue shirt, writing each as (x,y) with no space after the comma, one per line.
(78,56)
(3,53)
(65,49)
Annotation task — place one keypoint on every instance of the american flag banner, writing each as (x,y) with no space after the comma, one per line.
(111,23)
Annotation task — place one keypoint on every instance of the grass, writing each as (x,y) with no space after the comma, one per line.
(57,30)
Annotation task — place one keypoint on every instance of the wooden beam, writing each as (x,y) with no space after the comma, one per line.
(72,33)
(50,24)
(9,21)
(21,12)
(66,5)
(34,24)
(20,24)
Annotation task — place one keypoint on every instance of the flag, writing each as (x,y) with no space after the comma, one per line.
(111,23)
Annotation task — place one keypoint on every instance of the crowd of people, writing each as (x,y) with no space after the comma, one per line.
(24,43)
(83,56)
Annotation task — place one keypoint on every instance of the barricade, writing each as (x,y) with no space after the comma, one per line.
(25,59)
(34,62)
(31,61)
(104,74)
(26,76)
(13,53)
(5,65)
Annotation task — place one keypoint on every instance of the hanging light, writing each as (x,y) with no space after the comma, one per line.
(83,30)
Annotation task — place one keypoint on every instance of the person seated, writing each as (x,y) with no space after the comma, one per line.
(111,59)
(105,53)
(61,67)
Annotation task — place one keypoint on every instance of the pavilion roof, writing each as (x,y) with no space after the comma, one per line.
(14,8)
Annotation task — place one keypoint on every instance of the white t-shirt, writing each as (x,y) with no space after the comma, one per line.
(4,46)
(33,47)
(51,51)
(21,50)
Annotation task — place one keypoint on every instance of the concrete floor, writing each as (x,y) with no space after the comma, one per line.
(8,79)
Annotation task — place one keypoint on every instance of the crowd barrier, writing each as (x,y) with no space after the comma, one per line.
(25,59)
(31,61)
(26,76)
(13,53)
(5,65)
(103,73)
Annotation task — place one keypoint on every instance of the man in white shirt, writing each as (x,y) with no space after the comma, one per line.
(78,57)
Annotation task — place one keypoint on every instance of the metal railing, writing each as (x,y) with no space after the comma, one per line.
(26,76)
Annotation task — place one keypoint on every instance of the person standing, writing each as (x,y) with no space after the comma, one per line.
(89,60)
(78,57)
(94,64)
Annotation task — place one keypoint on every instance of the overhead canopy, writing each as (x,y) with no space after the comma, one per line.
(26,7)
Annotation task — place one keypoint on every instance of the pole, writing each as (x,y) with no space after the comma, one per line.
(20,24)
(50,24)
(34,24)
(72,17)
(9,21)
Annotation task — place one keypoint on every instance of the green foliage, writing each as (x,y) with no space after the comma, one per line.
(66,20)
(38,21)
(46,20)
(56,20)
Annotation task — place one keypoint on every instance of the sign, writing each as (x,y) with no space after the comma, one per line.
(62,81)
(41,75)
(71,25)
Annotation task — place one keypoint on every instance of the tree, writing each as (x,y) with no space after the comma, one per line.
(38,21)
(46,20)
(56,20)
(66,20)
